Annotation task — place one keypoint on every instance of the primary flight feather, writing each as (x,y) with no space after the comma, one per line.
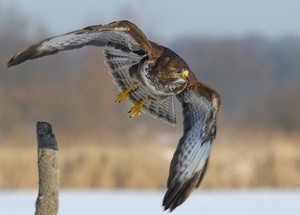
(151,75)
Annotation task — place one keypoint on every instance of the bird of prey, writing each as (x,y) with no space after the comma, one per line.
(151,76)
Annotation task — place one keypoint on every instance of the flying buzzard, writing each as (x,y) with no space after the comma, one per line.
(151,75)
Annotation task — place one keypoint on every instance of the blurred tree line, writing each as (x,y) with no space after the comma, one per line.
(258,78)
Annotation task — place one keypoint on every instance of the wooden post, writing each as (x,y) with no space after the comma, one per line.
(47,200)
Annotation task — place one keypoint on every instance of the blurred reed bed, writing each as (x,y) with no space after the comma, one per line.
(241,159)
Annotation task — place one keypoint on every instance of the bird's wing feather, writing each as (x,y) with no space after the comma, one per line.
(191,157)
(120,63)
(162,109)
(122,35)
(125,46)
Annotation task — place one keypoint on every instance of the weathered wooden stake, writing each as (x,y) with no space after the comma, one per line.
(47,200)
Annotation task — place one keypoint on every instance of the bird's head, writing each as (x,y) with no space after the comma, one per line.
(181,76)
(177,80)
(172,71)
(175,67)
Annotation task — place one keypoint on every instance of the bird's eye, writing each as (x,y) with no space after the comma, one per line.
(176,71)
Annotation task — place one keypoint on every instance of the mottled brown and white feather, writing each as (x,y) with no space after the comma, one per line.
(190,159)
(121,64)
(121,35)
(125,46)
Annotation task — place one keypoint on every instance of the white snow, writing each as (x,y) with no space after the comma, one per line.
(146,202)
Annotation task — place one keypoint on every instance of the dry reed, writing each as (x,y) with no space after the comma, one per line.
(239,159)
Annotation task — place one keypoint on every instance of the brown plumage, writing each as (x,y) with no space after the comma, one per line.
(151,75)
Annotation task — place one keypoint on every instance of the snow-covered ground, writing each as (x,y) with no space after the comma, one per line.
(146,202)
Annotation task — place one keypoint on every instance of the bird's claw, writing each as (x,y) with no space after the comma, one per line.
(136,109)
(122,96)
(125,93)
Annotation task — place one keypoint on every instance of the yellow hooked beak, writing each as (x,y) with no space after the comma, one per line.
(185,74)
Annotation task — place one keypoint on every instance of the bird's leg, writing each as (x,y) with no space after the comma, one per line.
(125,93)
(136,109)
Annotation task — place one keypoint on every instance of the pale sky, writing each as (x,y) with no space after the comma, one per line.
(168,18)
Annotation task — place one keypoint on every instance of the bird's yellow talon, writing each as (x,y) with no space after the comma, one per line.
(136,109)
(125,93)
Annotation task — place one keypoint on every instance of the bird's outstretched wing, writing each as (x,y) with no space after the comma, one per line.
(125,47)
(200,105)
(121,35)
